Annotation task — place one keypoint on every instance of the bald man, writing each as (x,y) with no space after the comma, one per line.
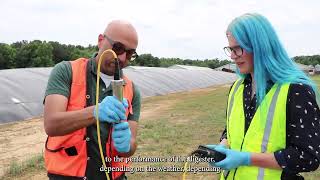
(71,149)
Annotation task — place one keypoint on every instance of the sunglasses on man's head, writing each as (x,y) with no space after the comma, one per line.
(120,48)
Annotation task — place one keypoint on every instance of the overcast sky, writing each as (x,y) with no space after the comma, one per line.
(192,29)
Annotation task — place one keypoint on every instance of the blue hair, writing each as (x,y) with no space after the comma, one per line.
(256,35)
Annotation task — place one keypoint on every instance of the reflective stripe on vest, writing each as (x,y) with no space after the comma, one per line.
(67,155)
(266,133)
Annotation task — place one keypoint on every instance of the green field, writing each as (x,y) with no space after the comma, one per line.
(174,125)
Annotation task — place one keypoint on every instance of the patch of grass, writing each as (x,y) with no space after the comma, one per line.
(193,118)
(34,163)
(316,79)
(312,175)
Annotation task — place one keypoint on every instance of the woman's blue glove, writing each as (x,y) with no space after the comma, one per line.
(121,137)
(213,146)
(111,110)
(233,158)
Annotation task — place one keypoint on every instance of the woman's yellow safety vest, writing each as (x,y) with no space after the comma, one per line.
(266,133)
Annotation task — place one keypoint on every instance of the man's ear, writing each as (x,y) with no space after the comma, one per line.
(100,40)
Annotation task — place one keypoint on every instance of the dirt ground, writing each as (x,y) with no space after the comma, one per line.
(19,141)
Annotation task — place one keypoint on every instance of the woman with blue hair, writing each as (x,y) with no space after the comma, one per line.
(273,129)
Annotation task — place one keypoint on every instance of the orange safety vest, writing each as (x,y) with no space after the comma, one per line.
(56,157)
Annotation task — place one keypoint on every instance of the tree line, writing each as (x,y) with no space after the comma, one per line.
(308,60)
(38,53)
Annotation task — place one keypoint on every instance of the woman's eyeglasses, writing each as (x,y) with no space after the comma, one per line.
(120,48)
(237,50)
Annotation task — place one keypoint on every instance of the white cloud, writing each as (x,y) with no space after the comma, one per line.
(167,28)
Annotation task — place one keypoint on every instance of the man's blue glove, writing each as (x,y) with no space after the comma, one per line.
(121,137)
(111,110)
(233,158)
